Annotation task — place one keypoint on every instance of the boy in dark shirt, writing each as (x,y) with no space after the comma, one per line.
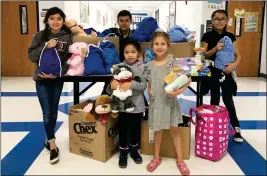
(124,21)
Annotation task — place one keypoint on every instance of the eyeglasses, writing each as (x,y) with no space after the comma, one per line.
(217,20)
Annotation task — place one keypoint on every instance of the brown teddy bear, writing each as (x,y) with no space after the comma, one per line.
(102,109)
(76,29)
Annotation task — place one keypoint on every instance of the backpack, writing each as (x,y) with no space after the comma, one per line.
(93,64)
(50,62)
(145,30)
(211,137)
(226,55)
(177,34)
(109,54)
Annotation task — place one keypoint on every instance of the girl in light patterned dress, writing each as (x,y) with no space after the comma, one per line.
(164,109)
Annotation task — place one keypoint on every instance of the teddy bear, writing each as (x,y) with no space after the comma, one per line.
(76,61)
(101,109)
(122,100)
(77,30)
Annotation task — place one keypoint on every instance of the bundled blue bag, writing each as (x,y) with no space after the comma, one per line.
(107,32)
(178,34)
(89,31)
(93,64)
(150,55)
(109,54)
(50,62)
(226,55)
(145,30)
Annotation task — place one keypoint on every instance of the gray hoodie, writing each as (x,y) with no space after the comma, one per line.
(137,87)
(64,41)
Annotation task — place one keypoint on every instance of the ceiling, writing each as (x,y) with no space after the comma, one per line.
(135,6)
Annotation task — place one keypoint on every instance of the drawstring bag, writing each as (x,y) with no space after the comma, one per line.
(178,34)
(226,55)
(109,54)
(145,30)
(50,62)
(93,64)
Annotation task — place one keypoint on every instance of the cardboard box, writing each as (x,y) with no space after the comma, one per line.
(167,146)
(183,49)
(96,40)
(89,138)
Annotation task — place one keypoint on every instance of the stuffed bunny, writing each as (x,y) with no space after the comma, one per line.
(76,61)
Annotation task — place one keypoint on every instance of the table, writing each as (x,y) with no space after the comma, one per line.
(105,78)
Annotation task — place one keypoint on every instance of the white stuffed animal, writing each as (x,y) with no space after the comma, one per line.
(122,100)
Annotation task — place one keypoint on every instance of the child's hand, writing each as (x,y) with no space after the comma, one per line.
(114,84)
(45,76)
(230,67)
(125,86)
(176,92)
(219,46)
(52,44)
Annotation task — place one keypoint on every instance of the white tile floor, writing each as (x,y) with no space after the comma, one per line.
(26,109)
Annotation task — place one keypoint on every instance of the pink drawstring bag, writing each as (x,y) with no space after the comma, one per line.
(211,137)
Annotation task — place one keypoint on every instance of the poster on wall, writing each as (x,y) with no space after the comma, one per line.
(84,12)
(251,21)
(107,20)
(167,21)
(238,27)
(157,15)
(239,13)
(172,14)
(98,17)
(216,4)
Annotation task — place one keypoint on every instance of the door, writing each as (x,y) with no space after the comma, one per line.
(15,45)
(248,42)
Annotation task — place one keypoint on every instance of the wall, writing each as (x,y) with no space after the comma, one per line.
(192,20)
(163,13)
(72,11)
(191,15)
(263,52)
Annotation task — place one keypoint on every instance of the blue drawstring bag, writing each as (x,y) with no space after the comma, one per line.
(226,55)
(50,62)
(178,34)
(109,54)
(145,30)
(93,64)
(149,55)
(106,32)
(89,31)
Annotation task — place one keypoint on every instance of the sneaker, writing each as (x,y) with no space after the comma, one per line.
(54,155)
(123,158)
(135,155)
(47,146)
(237,137)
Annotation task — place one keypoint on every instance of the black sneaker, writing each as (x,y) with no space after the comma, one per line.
(54,155)
(237,137)
(47,146)
(123,158)
(135,155)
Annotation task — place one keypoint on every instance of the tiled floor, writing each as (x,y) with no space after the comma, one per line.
(22,135)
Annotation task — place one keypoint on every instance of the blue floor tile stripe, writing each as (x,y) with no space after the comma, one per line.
(247,158)
(22,156)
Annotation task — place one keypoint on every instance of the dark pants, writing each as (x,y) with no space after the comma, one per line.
(129,123)
(227,87)
(48,92)
(104,92)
